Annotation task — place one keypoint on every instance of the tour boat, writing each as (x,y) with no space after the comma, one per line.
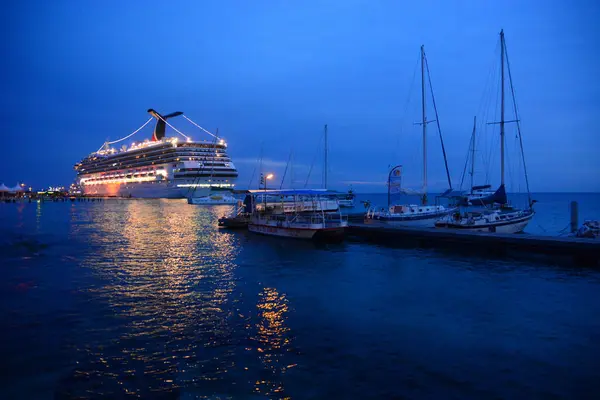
(302,214)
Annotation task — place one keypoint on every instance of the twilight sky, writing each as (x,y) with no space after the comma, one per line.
(270,74)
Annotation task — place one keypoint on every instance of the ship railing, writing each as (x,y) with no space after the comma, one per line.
(236,211)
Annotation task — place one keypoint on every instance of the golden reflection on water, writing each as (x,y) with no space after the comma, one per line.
(273,338)
(168,273)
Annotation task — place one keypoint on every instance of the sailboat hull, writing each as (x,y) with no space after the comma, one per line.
(511,224)
(416,220)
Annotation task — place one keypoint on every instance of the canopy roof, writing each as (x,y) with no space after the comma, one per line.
(4,188)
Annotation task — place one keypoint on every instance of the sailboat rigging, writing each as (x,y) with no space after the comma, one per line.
(479,194)
(502,218)
(412,214)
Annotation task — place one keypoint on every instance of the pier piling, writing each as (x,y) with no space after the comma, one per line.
(574,216)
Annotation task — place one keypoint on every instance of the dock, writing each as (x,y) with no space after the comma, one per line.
(581,250)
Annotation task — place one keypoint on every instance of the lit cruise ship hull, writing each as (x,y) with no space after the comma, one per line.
(158,169)
(144,190)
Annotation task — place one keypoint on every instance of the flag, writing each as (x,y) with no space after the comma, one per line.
(395,179)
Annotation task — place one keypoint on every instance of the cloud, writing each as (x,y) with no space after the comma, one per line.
(265,162)
(268,163)
(377,183)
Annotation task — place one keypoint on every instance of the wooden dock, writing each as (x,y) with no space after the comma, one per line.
(581,250)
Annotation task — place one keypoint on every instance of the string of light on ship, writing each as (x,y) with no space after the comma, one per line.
(146,143)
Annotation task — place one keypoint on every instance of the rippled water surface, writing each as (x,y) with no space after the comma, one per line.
(149,298)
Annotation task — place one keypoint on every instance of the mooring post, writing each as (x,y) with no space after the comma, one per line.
(574,216)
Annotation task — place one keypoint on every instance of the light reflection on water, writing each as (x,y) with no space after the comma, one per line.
(167,279)
(151,299)
(272,339)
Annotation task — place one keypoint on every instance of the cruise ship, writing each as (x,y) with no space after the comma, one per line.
(160,167)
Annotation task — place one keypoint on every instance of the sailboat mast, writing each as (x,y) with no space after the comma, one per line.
(260,168)
(292,169)
(325,162)
(424,124)
(473,151)
(502,107)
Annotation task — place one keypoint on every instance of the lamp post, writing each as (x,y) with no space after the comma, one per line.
(267,178)
(263,181)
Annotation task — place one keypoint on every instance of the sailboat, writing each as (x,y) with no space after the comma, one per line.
(345,200)
(480,195)
(413,214)
(501,218)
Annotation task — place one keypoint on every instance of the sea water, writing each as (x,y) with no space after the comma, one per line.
(150,298)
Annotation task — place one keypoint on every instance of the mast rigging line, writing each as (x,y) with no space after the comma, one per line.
(406,106)
(437,121)
(313,162)
(199,127)
(258,161)
(512,90)
(128,136)
(286,168)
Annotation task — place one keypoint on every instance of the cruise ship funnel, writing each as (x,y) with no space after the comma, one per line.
(159,129)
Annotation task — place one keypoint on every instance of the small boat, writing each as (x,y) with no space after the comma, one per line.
(214,199)
(422,215)
(346,200)
(240,215)
(302,214)
(499,216)
(481,195)
(589,229)
(240,221)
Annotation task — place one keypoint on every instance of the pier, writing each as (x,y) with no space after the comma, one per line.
(581,250)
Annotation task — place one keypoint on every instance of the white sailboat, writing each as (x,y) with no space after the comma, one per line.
(417,215)
(500,217)
(479,195)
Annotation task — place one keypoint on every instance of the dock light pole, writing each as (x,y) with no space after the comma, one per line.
(266,179)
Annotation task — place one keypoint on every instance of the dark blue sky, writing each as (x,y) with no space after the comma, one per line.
(274,72)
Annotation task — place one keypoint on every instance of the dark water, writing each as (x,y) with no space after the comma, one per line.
(150,299)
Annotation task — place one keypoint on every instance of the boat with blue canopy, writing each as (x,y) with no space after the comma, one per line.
(295,213)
